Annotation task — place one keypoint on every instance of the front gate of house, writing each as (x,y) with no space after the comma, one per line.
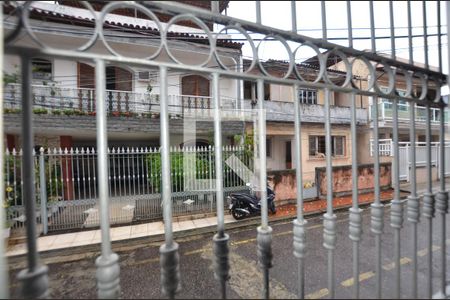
(34,278)
(66,184)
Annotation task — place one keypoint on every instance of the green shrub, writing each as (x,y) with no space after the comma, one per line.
(12,110)
(177,171)
(68,112)
(40,111)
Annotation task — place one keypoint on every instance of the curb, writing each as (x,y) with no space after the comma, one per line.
(139,242)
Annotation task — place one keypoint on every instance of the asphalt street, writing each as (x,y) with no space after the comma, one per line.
(73,276)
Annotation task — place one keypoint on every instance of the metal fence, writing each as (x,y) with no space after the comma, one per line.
(57,100)
(34,278)
(67,184)
(405,163)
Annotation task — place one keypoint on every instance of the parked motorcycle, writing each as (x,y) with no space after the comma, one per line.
(242,205)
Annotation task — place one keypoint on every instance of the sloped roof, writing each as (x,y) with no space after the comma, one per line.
(56,17)
(98,5)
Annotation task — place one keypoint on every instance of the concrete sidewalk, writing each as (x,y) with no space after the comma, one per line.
(422,187)
(155,230)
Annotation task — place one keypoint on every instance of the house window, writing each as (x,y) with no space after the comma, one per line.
(42,69)
(307,96)
(402,105)
(269,147)
(195,85)
(338,145)
(249,85)
(317,146)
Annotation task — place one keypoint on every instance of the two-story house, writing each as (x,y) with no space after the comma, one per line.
(64,90)
(280,121)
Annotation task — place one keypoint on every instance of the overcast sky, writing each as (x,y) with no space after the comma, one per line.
(278,14)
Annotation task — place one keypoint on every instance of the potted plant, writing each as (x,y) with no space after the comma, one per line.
(40,111)
(8,212)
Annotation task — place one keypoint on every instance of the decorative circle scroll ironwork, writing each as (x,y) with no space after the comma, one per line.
(437,84)
(21,13)
(319,57)
(87,45)
(119,5)
(197,21)
(289,52)
(371,72)
(348,74)
(242,31)
(424,87)
(391,80)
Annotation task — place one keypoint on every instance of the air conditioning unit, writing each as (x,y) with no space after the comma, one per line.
(144,75)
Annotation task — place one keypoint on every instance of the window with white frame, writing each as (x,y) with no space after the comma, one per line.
(307,96)
(317,146)
(402,104)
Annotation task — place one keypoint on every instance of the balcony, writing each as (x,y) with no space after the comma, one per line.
(81,101)
(385,113)
(311,113)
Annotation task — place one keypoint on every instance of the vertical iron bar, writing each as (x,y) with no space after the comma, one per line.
(447,290)
(262,152)
(43,190)
(300,222)
(78,173)
(410,40)
(94,173)
(391,23)
(108,270)
(324,20)
(442,207)
(258,12)
(264,237)
(221,238)
(169,257)
(425,33)
(372,28)
(396,204)
(439,35)
(329,222)
(349,24)
(83,159)
(377,212)
(355,228)
(4,278)
(413,199)
(294,16)
(428,206)
(34,278)
(215,7)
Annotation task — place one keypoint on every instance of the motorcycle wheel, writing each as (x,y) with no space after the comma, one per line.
(237,215)
(273,209)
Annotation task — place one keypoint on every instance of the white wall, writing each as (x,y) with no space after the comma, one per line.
(278,159)
(9,63)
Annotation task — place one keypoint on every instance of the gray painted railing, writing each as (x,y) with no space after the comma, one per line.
(34,279)
(71,100)
(67,180)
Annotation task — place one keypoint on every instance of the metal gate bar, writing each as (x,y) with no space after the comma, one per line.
(108,270)
(34,278)
(169,250)
(4,278)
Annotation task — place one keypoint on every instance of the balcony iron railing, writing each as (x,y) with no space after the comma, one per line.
(385,113)
(62,100)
